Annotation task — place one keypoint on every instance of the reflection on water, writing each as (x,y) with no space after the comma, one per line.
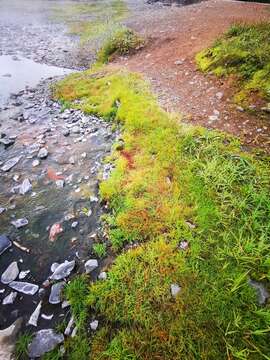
(17,73)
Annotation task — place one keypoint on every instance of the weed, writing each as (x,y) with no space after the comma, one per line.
(244,51)
(99,250)
(21,346)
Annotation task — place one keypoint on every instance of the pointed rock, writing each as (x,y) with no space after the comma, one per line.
(10,273)
(34,317)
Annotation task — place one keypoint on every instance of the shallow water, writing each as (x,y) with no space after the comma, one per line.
(16,73)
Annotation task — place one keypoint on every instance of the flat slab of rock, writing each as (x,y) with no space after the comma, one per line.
(5,243)
(10,273)
(24,287)
(19,223)
(63,270)
(43,342)
(90,265)
(9,164)
(55,295)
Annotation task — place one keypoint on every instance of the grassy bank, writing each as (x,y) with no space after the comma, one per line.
(195,209)
(243,53)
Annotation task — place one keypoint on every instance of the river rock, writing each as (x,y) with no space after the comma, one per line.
(55,295)
(43,153)
(63,270)
(25,187)
(7,340)
(24,287)
(34,317)
(90,265)
(9,164)
(5,243)
(175,289)
(43,342)
(10,273)
(9,299)
(20,223)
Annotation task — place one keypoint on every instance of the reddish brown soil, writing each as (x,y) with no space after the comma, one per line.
(178,34)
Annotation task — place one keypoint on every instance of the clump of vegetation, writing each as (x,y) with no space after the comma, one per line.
(175,183)
(21,346)
(122,41)
(243,52)
(99,249)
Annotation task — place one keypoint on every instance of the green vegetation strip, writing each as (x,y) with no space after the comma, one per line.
(244,52)
(198,209)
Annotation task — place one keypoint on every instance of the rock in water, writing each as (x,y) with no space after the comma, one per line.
(43,342)
(24,287)
(9,299)
(34,317)
(5,243)
(43,153)
(9,164)
(20,223)
(10,273)
(90,265)
(63,270)
(25,187)
(55,295)
(7,340)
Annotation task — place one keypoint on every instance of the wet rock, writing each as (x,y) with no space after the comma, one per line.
(35,316)
(19,223)
(102,275)
(175,289)
(63,270)
(9,299)
(55,295)
(90,265)
(43,342)
(25,187)
(5,243)
(94,325)
(24,287)
(43,153)
(9,164)
(7,340)
(23,274)
(262,293)
(10,273)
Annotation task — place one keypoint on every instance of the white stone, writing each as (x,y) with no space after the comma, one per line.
(10,273)
(90,265)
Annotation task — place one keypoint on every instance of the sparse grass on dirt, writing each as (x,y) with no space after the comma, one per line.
(172,184)
(244,52)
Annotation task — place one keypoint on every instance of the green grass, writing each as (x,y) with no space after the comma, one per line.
(175,182)
(21,346)
(244,52)
(99,250)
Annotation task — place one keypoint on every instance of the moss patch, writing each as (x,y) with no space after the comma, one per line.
(173,185)
(244,51)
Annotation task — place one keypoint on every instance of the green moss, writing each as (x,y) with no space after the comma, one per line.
(99,250)
(175,182)
(244,51)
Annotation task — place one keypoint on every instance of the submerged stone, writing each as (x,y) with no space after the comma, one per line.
(43,342)
(10,273)
(55,295)
(24,287)
(5,243)
(63,270)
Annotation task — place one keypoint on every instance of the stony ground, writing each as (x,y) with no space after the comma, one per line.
(168,62)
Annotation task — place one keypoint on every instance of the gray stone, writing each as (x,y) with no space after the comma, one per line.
(24,287)
(9,299)
(90,265)
(10,273)
(9,164)
(35,316)
(55,295)
(20,223)
(76,129)
(7,339)
(25,187)
(7,142)
(60,183)
(23,274)
(43,153)
(94,325)
(219,95)
(63,270)
(175,289)
(5,243)
(102,275)
(35,163)
(262,293)
(54,266)
(43,342)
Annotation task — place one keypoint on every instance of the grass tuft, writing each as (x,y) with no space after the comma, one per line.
(21,346)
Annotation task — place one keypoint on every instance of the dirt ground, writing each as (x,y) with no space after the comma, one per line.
(176,34)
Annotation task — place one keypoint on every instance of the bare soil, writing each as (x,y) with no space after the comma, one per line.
(168,60)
